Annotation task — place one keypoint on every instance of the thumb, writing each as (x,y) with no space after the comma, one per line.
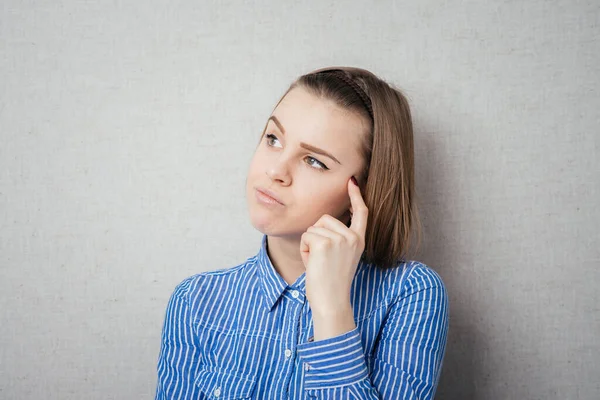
(304,250)
(304,258)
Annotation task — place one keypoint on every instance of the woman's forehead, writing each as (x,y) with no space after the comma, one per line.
(304,115)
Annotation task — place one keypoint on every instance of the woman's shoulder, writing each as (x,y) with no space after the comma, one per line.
(199,282)
(419,273)
(412,276)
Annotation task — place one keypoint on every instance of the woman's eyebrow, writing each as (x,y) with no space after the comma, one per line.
(302,144)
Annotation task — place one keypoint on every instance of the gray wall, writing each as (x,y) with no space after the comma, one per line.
(126,130)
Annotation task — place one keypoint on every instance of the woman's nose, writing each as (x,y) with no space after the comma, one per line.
(279,170)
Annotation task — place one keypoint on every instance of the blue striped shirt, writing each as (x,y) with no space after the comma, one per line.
(245,333)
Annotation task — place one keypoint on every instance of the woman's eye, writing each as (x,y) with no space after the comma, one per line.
(320,165)
(313,162)
(270,137)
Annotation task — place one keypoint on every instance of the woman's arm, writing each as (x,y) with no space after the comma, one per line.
(179,352)
(407,361)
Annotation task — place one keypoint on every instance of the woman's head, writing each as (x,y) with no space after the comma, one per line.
(332,124)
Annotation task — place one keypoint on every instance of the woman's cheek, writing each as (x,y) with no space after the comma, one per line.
(334,200)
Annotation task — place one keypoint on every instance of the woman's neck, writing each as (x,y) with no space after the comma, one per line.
(285,256)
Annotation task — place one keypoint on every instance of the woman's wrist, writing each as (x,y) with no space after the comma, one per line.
(330,322)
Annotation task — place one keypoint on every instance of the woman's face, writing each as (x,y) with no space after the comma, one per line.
(290,161)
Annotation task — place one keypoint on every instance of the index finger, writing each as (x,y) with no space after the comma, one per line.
(360,212)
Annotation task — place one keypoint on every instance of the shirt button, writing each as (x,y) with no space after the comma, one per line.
(306,366)
(295,294)
(217,392)
(288,353)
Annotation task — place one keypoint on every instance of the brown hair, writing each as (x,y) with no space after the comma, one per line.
(387,181)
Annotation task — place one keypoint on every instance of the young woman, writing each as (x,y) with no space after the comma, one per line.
(329,307)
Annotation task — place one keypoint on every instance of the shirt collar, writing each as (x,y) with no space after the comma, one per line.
(273,285)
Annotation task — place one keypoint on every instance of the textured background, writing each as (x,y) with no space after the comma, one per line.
(126,129)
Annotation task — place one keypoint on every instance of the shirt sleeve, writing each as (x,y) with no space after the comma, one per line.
(179,352)
(407,360)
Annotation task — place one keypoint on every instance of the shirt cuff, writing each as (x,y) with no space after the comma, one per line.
(333,362)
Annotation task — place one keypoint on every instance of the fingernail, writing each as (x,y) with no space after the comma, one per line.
(354,181)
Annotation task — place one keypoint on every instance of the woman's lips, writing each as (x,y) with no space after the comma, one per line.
(265,198)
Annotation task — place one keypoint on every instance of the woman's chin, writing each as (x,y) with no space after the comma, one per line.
(263,223)
(274,226)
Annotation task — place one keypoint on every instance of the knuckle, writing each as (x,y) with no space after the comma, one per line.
(324,244)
